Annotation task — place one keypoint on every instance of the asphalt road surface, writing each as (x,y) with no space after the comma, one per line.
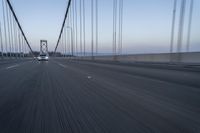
(62,96)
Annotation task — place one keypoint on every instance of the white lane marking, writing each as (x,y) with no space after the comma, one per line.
(89,77)
(62,65)
(10,67)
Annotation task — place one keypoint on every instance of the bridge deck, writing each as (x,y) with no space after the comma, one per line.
(62,96)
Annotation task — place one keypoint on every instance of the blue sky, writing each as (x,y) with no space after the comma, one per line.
(146,29)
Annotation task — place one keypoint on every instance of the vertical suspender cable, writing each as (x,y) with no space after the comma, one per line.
(67,45)
(181,24)
(92,30)
(17,43)
(11,32)
(5,29)
(57,50)
(65,41)
(121,40)
(22,46)
(67,24)
(62,46)
(81,27)
(16,40)
(25,50)
(73,27)
(84,27)
(1,40)
(8,24)
(15,37)
(72,43)
(71,30)
(173,26)
(21,55)
(114,26)
(68,36)
(189,25)
(63,37)
(73,21)
(115,29)
(120,26)
(19,39)
(76,26)
(97,34)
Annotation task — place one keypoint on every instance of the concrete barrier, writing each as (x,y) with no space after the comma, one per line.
(191,57)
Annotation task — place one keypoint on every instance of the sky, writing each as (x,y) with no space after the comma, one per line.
(146,24)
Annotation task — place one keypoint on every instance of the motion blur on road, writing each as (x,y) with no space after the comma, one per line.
(83,96)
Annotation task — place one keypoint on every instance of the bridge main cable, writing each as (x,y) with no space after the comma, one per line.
(16,19)
(63,25)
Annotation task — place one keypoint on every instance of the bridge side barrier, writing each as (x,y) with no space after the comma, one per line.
(191,57)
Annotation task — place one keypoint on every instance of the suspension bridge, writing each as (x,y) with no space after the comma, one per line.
(82,90)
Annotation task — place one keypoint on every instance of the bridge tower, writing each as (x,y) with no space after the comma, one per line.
(43,47)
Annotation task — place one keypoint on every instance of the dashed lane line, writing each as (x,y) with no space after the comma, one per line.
(62,65)
(14,66)
(88,77)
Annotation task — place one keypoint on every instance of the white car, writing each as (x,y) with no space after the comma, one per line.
(43,57)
